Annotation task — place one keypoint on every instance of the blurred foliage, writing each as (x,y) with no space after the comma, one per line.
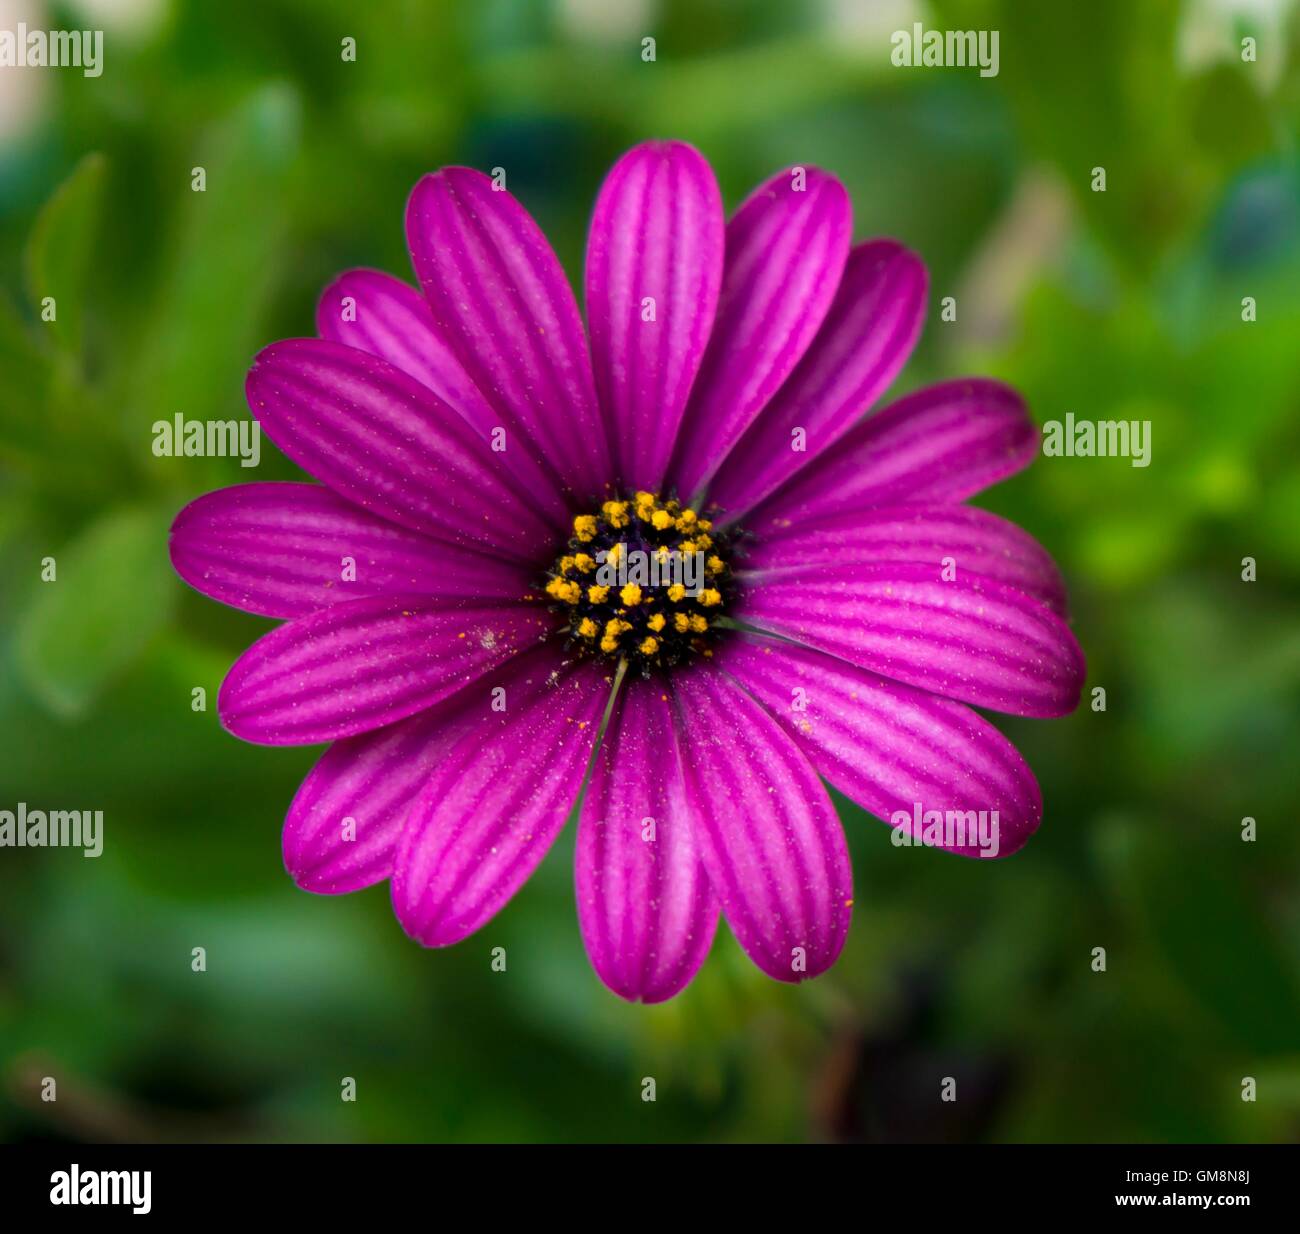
(1122,304)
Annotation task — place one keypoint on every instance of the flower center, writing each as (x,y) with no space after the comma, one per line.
(645,581)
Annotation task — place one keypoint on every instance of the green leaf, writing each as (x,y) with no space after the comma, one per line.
(227,257)
(59,250)
(112,591)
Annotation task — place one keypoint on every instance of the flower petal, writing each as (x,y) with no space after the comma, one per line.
(943,443)
(767,832)
(871,328)
(977,542)
(786,248)
(381,315)
(970,639)
(493,807)
(379,438)
(358,666)
(657,232)
(891,748)
(645,905)
(500,299)
(344,825)
(283,549)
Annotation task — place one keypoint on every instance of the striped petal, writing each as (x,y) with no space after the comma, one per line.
(381,315)
(970,639)
(786,248)
(500,298)
(767,832)
(344,825)
(861,347)
(286,549)
(973,540)
(493,807)
(365,664)
(379,438)
(645,905)
(900,753)
(656,236)
(941,444)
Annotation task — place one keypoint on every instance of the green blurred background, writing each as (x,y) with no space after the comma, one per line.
(1122,304)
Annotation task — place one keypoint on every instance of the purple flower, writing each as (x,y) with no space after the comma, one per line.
(485,464)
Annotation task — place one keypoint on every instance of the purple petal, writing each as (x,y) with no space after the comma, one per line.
(359,666)
(492,809)
(657,232)
(861,347)
(969,639)
(647,910)
(941,444)
(767,832)
(785,253)
(500,299)
(891,748)
(283,550)
(344,825)
(392,321)
(977,541)
(379,438)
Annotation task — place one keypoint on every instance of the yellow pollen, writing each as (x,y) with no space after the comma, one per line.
(686,519)
(710,596)
(677,593)
(631,595)
(656,622)
(566,564)
(662,520)
(608,644)
(688,547)
(587,628)
(699,624)
(584,561)
(598,593)
(563,589)
(648,646)
(716,565)
(682,622)
(584,527)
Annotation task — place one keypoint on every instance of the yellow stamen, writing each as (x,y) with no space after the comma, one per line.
(648,646)
(630,595)
(598,593)
(656,622)
(676,593)
(710,596)
(587,628)
(584,527)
